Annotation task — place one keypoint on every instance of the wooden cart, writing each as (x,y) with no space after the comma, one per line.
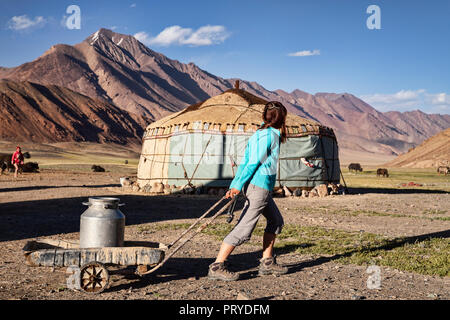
(90,265)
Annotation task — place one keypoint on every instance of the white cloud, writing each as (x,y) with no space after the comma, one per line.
(305,53)
(207,35)
(18,23)
(133,5)
(406,100)
(440,99)
(170,35)
(176,35)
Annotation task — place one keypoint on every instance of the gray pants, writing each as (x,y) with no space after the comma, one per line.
(259,201)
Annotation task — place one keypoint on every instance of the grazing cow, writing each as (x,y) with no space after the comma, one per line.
(382,172)
(3,167)
(443,170)
(96,168)
(5,162)
(354,167)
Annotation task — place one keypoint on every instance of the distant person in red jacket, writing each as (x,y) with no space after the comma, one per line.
(16,160)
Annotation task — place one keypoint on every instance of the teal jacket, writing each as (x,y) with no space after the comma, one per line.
(260,161)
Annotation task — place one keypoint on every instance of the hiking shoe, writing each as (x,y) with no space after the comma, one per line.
(269,266)
(217,271)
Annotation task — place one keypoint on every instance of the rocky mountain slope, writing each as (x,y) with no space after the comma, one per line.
(433,152)
(120,70)
(38,113)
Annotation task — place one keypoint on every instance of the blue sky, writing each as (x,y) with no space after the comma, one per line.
(315,46)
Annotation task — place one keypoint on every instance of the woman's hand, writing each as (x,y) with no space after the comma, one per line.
(231,193)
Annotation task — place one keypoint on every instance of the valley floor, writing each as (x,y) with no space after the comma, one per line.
(327,243)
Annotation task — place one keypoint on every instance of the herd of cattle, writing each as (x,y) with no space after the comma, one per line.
(384,172)
(5,164)
(357,167)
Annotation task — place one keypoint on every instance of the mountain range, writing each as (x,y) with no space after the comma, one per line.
(32,112)
(121,71)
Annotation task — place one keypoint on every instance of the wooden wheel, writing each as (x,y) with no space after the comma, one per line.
(94,277)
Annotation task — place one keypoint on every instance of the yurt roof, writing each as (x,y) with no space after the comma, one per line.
(232,107)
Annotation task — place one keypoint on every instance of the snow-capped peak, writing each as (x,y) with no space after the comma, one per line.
(95,37)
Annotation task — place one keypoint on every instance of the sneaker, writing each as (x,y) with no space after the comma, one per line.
(218,271)
(269,266)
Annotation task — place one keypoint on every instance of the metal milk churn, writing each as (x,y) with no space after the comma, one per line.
(102,224)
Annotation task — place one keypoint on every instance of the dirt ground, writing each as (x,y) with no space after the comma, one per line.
(49,205)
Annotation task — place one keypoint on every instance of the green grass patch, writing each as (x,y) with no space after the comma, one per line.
(429,214)
(429,179)
(434,211)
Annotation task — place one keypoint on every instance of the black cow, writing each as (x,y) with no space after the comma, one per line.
(382,172)
(354,167)
(96,168)
(30,167)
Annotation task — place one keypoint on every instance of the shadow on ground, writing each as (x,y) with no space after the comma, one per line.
(32,188)
(246,264)
(186,268)
(406,190)
(40,218)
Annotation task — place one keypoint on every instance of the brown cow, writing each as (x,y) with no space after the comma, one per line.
(355,167)
(382,172)
(30,167)
(443,170)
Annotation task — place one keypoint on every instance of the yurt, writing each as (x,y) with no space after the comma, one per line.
(203,144)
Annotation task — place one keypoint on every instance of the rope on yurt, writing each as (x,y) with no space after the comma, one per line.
(221,104)
(324,158)
(232,163)
(164,160)
(182,159)
(242,113)
(234,105)
(198,163)
(345,185)
(153,157)
(332,164)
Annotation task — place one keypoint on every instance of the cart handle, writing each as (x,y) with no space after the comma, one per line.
(197,221)
(199,229)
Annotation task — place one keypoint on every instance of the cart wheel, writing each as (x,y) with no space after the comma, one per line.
(94,277)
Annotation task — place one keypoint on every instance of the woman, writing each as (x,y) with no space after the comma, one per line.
(256,179)
(16,160)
